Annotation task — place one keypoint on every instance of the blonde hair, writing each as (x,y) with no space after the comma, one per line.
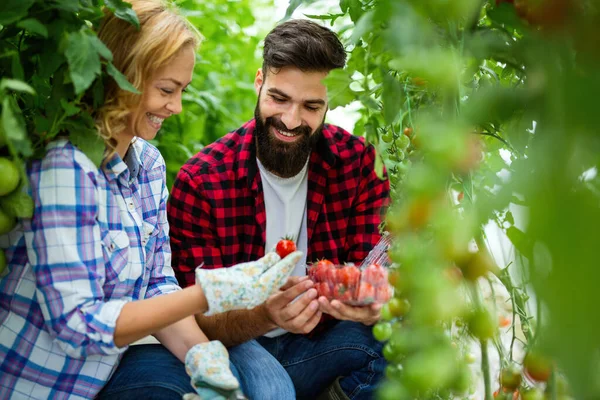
(138,54)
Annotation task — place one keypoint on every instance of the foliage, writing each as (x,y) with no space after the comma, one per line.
(221,96)
(522,76)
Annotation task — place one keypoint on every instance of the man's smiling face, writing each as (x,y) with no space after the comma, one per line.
(290,113)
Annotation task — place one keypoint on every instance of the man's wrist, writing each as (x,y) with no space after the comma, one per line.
(266,318)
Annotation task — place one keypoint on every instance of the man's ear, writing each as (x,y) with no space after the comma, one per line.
(258,80)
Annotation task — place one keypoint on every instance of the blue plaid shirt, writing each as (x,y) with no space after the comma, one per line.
(98,239)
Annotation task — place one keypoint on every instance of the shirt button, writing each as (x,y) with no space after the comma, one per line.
(131,206)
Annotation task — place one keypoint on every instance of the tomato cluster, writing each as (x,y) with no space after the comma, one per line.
(349,284)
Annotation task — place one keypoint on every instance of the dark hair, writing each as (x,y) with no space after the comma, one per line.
(305,45)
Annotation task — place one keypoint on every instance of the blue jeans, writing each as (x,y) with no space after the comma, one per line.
(271,368)
(149,372)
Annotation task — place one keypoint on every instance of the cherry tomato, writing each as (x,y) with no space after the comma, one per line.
(285,247)
(510,378)
(481,325)
(349,276)
(323,289)
(399,307)
(318,272)
(366,293)
(504,321)
(342,293)
(375,274)
(382,331)
(408,131)
(537,367)
(383,294)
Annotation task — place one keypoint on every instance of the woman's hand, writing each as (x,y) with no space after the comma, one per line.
(245,285)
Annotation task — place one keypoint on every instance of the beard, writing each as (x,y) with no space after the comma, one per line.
(282,158)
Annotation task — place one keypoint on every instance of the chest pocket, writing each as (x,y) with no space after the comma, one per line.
(115,246)
(150,233)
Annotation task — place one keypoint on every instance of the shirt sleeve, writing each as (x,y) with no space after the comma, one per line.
(371,202)
(162,278)
(193,239)
(64,248)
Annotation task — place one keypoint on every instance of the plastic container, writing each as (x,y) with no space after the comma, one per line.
(356,285)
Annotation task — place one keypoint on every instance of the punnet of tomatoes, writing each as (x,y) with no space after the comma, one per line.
(351,284)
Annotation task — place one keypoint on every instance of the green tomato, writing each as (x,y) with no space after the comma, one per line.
(382,331)
(386,314)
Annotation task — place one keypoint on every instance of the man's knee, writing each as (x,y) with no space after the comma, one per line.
(262,377)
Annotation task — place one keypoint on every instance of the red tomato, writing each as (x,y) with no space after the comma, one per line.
(318,272)
(383,294)
(537,367)
(323,289)
(348,276)
(366,293)
(504,321)
(285,247)
(375,274)
(342,293)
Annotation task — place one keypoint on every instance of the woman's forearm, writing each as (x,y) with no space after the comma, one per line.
(181,336)
(141,318)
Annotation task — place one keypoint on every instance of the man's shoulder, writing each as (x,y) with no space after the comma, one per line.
(222,155)
(344,144)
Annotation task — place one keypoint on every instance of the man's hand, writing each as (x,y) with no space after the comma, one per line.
(367,315)
(300,316)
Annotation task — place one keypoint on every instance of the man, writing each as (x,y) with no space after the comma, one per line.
(286,172)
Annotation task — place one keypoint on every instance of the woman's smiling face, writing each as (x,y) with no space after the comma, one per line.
(162,95)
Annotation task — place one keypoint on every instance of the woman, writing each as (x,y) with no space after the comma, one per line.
(90,273)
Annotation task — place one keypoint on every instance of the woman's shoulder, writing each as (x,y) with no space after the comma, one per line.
(63,154)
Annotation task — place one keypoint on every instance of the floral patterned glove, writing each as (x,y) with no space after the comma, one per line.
(208,366)
(245,285)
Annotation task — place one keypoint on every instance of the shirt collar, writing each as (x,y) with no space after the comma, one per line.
(127,168)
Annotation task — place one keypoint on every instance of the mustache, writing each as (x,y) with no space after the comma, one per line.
(280,126)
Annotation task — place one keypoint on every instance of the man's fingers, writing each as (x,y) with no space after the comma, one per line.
(300,323)
(297,306)
(282,299)
(293,280)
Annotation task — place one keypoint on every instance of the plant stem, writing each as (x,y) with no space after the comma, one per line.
(485,369)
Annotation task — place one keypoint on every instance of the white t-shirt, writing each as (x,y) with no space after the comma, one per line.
(285,206)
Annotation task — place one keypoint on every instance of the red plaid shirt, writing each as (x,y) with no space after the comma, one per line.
(217,209)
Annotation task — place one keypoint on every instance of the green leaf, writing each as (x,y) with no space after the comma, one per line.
(294,4)
(16,85)
(83,59)
(369,102)
(121,79)
(83,135)
(338,88)
(101,48)
(17,68)
(392,98)
(14,126)
(379,166)
(13,10)
(520,240)
(355,10)
(70,108)
(12,121)
(123,10)
(504,14)
(34,26)
(71,6)
(363,26)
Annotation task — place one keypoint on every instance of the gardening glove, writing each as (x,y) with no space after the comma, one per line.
(245,285)
(208,366)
